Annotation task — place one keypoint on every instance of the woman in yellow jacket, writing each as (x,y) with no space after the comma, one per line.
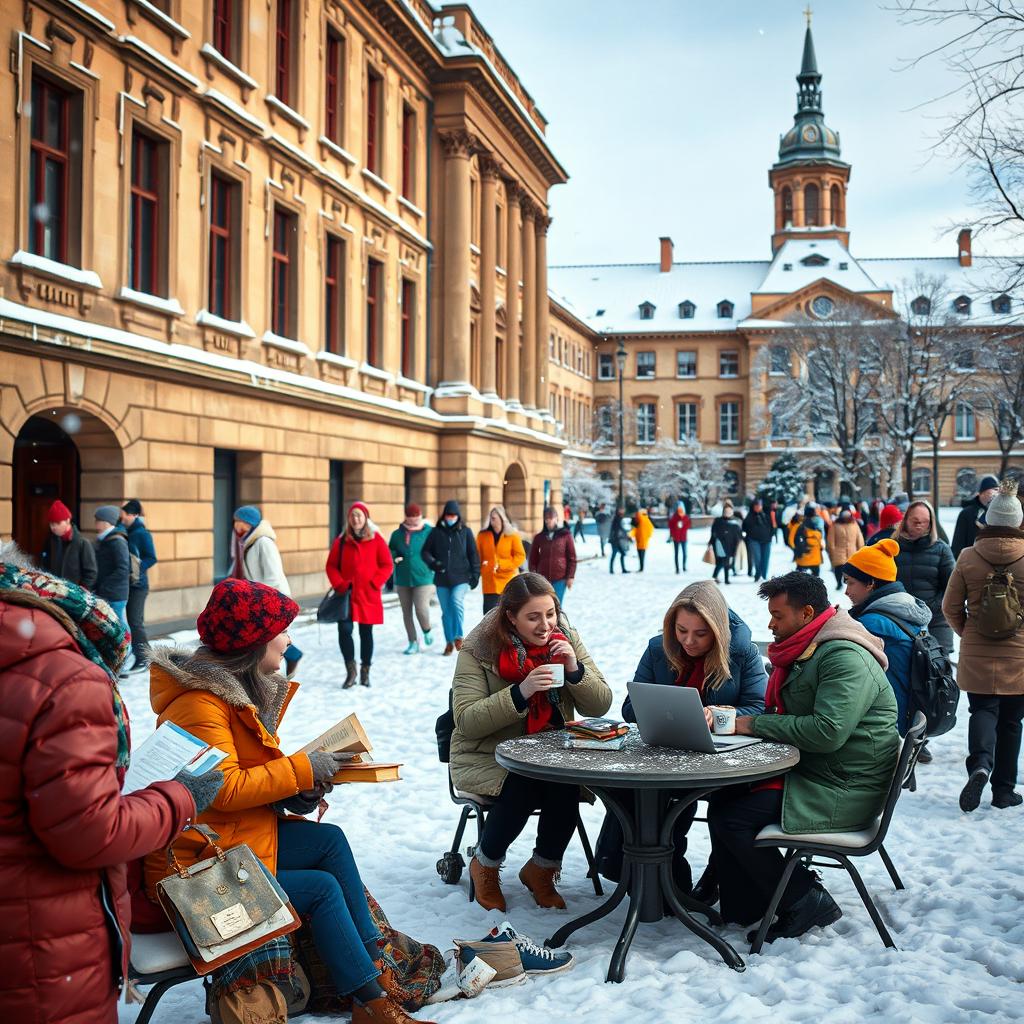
(642,532)
(501,554)
(231,695)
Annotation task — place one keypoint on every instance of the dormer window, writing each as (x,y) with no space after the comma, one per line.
(686,310)
(647,310)
(600,312)
(1001,304)
(962,304)
(844,266)
(787,266)
(725,308)
(921,306)
(814,260)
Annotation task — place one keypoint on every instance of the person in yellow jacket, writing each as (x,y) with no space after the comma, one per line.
(809,542)
(501,555)
(642,532)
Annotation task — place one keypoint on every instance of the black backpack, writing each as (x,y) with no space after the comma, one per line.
(800,544)
(932,684)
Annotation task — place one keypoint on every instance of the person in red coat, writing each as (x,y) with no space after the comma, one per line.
(553,554)
(359,562)
(678,528)
(66,832)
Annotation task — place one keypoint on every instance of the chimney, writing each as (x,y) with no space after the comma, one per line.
(963,247)
(667,247)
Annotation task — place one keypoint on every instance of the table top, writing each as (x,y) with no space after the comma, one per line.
(639,766)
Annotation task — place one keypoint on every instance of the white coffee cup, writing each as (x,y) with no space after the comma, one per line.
(558,670)
(724,719)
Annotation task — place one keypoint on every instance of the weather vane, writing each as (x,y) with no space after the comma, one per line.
(807,14)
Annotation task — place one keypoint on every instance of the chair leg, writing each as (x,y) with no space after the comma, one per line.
(891,868)
(589,853)
(792,859)
(154,995)
(876,917)
(461,830)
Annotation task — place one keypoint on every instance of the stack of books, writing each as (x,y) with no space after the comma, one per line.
(348,736)
(595,734)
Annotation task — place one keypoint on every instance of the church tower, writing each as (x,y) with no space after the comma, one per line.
(809,179)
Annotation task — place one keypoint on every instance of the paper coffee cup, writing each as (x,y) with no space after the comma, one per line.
(724,718)
(559,672)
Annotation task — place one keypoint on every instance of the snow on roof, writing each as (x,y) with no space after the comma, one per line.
(802,261)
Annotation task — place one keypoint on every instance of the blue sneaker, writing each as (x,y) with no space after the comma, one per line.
(413,648)
(536,959)
(428,638)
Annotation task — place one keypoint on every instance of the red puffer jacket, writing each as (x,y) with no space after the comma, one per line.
(66,832)
(365,566)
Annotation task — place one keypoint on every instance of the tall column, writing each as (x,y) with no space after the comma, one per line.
(826,203)
(458,148)
(513,191)
(543,313)
(488,259)
(529,395)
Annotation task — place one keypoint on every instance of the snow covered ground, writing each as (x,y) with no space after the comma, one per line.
(959,924)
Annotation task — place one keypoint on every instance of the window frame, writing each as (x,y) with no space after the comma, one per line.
(373,354)
(687,404)
(335,263)
(41,154)
(334,86)
(723,405)
(963,414)
(725,309)
(157,197)
(372,119)
(225,21)
(601,358)
(408,140)
(641,411)
(686,352)
(407,330)
(284,268)
(285,63)
(722,353)
(231,234)
(773,369)
(812,188)
(644,367)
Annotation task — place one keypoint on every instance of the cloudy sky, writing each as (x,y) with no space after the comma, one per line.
(667,115)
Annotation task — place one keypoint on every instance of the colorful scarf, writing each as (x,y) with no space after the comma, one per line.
(784,653)
(515,663)
(96,630)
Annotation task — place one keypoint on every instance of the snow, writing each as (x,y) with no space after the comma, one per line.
(176,70)
(958,923)
(227,66)
(795,250)
(23,258)
(157,302)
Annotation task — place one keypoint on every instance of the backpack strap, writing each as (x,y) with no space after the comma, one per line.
(898,622)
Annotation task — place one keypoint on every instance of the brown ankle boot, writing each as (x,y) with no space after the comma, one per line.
(350,675)
(541,882)
(487,886)
(382,1010)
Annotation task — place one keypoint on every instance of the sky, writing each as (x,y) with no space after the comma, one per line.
(667,115)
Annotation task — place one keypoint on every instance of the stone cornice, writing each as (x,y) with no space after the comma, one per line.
(459,143)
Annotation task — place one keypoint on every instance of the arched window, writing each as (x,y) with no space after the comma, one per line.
(837,209)
(811,206)
(921,306)
(787,207)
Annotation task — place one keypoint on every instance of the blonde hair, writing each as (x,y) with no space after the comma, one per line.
(507,526)
(932,519)
(704,599)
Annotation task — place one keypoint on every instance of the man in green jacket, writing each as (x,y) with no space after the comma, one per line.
(829,697)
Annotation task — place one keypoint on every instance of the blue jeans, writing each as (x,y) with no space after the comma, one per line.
(760,553)
(452,600)
(316,869)
(559,588)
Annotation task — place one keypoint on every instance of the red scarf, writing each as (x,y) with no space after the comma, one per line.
(68,534)
(515,663)
(693,677)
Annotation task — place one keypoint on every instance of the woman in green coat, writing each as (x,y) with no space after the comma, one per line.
(413,580)
(829,697)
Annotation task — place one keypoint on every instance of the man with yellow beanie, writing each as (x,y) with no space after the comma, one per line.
(882,606)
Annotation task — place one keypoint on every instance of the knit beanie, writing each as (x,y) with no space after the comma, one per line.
(58,512)
(987,483)
(241,615)
(249,514)
(889,516)
(359,505)
(1005,508)
(108,514)
(874,562)
(412,510)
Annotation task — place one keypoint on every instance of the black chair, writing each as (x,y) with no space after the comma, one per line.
(474,807)
(158,960)
(841,846)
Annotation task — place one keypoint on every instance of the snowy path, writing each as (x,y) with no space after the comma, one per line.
(959,924)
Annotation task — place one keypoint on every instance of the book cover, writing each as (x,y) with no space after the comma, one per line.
(346,735)
(369,771)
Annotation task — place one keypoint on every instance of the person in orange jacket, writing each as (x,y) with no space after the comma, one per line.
(643,530)
(501,554)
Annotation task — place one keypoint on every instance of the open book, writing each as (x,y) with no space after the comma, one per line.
(348,736)
(168,751)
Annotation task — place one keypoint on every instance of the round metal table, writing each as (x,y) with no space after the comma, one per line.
(635,784)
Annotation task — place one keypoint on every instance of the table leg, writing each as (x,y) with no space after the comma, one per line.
(617,965)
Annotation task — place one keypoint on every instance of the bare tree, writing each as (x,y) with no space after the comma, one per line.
(684,469)
(998,390)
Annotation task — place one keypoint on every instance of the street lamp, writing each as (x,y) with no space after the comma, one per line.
(620,358)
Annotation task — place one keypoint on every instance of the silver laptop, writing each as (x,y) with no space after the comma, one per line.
(673,716)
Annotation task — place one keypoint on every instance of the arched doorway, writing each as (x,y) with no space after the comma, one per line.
(513,495)
(65,454)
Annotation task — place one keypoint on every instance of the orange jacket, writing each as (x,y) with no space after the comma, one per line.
(214,707)
(642,531)
(498,563)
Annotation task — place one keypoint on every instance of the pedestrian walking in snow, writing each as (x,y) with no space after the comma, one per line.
(414,580)
(844,539)
(967,521)
(991,666)
(618,540)
(757,532)
(450,551)
(113,566)
(69,554)
(642,532)
(678,530)
(504,687)
(68,833)
(501,554)
(924,566)
(359,562)
(725,540)
(553,554)
(809,541)
(140,544)
(578,530)
(603,519)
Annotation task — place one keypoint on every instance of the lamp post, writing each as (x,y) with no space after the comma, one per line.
(620,359)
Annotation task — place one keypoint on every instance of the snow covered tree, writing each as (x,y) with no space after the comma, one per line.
(581,485)
(684,469)
(784,483)
(998,390)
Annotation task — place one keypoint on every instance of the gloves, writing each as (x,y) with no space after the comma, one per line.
(203,788)
(325,765)
(305,802)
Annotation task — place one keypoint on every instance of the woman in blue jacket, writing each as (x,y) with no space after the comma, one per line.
(706,645)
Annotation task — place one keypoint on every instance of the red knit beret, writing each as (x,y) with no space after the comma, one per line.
(889,516)
(241,615)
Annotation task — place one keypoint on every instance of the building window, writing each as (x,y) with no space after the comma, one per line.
(966,482)
(686,364)
(963,357)
(408,329)
(374,311)
(647,310)
(725,309)
(921,480)
(963,423)
(284,60)
(686,421)
(334,79)
(778,357)
(645,364)
(686,310)
(731,479)
(811,204)
(605,366)
(729,423)
(225,208)
(408,152)
(787,206)
(837,212)
(921,306)
(646,421)
(1001,304)
(147,227)
(373,111)
(54,175)
(962,305)
(728,364)
(226,21)
(779,428)
(283,274)
(334,296)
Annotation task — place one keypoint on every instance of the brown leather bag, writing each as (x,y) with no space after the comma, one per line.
(264,1003)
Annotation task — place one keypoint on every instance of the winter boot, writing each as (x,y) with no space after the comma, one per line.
(541,882)
(458,643)
(412,648)
(487,886)
(382,1010)
(364,675)
(428,637)
(448,648)
(970,795)
(1010,798)
(350,675)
